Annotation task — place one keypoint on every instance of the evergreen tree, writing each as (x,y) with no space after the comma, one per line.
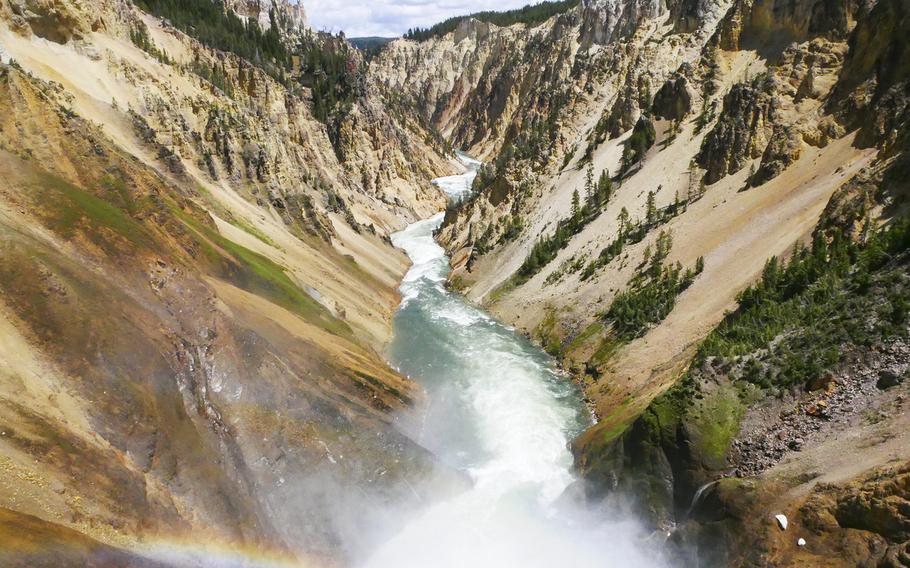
(589,184)
(530,15)
(604,188)
(664,244)
(213,25)
(651,209)
(623,219)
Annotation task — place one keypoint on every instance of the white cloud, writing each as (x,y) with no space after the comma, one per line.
(391,18)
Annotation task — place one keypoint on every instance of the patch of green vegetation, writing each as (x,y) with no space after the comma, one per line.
(259,275)
(330,68)
(634,311)
(457,283)
(609,344)
(570,153)
(139,35)
(547,247)
(618,420)
(497,293)
(571,265)
(801,314)
(615,430)
(532,14)
(716,423)
(118,193)
(587,333)
(213,74)
(873,416)
(638,143)
(633,232)
(209,22)
(599,134)
(248,228)
(663,416)
(546,333)
(68,209)
(513,228)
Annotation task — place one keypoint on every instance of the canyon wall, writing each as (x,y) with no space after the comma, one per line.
(197,286)
(680,147)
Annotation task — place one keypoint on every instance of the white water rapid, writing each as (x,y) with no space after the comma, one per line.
(458,187)
(497,410)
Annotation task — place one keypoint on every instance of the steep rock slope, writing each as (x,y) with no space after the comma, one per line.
(750,115)
(255,148)
(696,142)
(196,285)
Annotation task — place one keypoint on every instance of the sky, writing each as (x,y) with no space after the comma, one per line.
(391,18)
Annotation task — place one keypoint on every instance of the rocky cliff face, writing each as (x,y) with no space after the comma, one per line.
(765,133)
(196,285)
(289,17)
(741,132)
(478,84)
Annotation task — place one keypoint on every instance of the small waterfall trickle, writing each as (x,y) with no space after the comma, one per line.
(697,498)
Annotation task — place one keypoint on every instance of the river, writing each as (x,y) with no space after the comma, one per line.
(498,410)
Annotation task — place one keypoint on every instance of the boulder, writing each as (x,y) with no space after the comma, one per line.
(888,378)
(782,521)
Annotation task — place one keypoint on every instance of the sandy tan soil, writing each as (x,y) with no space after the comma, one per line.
(106,75)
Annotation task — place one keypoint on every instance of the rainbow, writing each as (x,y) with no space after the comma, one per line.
(192,552)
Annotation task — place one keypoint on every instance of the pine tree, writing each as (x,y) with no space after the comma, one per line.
(575,204)
(623,219)
(626,159)
(651,210)
(664,244)
(604,188)
(589,184)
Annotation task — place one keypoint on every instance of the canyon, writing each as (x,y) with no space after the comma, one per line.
(200,276)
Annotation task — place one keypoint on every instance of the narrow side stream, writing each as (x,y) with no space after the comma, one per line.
(498,411)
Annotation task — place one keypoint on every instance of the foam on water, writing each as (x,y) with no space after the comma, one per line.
(498,411)
(459,187)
